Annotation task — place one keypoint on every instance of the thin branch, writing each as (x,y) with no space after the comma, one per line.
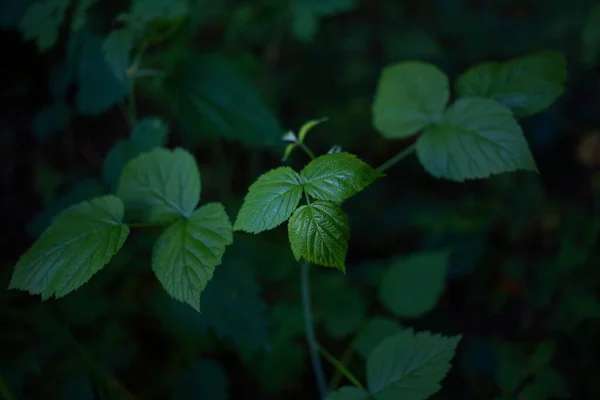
(313,346)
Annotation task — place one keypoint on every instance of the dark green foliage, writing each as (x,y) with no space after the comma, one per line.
(171,168)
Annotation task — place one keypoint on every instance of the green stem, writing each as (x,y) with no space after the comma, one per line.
(341,367)
(307,151)
(4,390)
(131,84)
(313,346)
(345,360)
(397,158)
(131,101)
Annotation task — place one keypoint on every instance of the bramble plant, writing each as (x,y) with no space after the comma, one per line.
(472,133)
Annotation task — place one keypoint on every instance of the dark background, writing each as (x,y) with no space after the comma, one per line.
(524,265)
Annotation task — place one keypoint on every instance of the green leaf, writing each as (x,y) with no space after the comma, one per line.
(319,233)
(186,254)
(148,134)
(336,177)
(270,200)
(373,333)
(99,89)
(205,380)
(306,15)
(412,285)
(526,85)
(42,22)
(476,138)
(410,96)
(163,184)
(211,95)
(348,393)
(117,52)
(79,242)
(410,365)
(307,127)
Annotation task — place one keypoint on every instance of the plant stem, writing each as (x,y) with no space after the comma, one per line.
(345,360)
(313,346)
(131,75)
(397,158)
(341,367)
(131,101)
(307,151)
(4,391)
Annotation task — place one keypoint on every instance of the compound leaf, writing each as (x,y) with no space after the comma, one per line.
(270,200)
(476,138)
(42,22)
(410,96)
(409,365)
(185,256)
(148,134)
(163,184)
(319,233)
(526,85)
(338,176)
(412,285)
(79,242)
